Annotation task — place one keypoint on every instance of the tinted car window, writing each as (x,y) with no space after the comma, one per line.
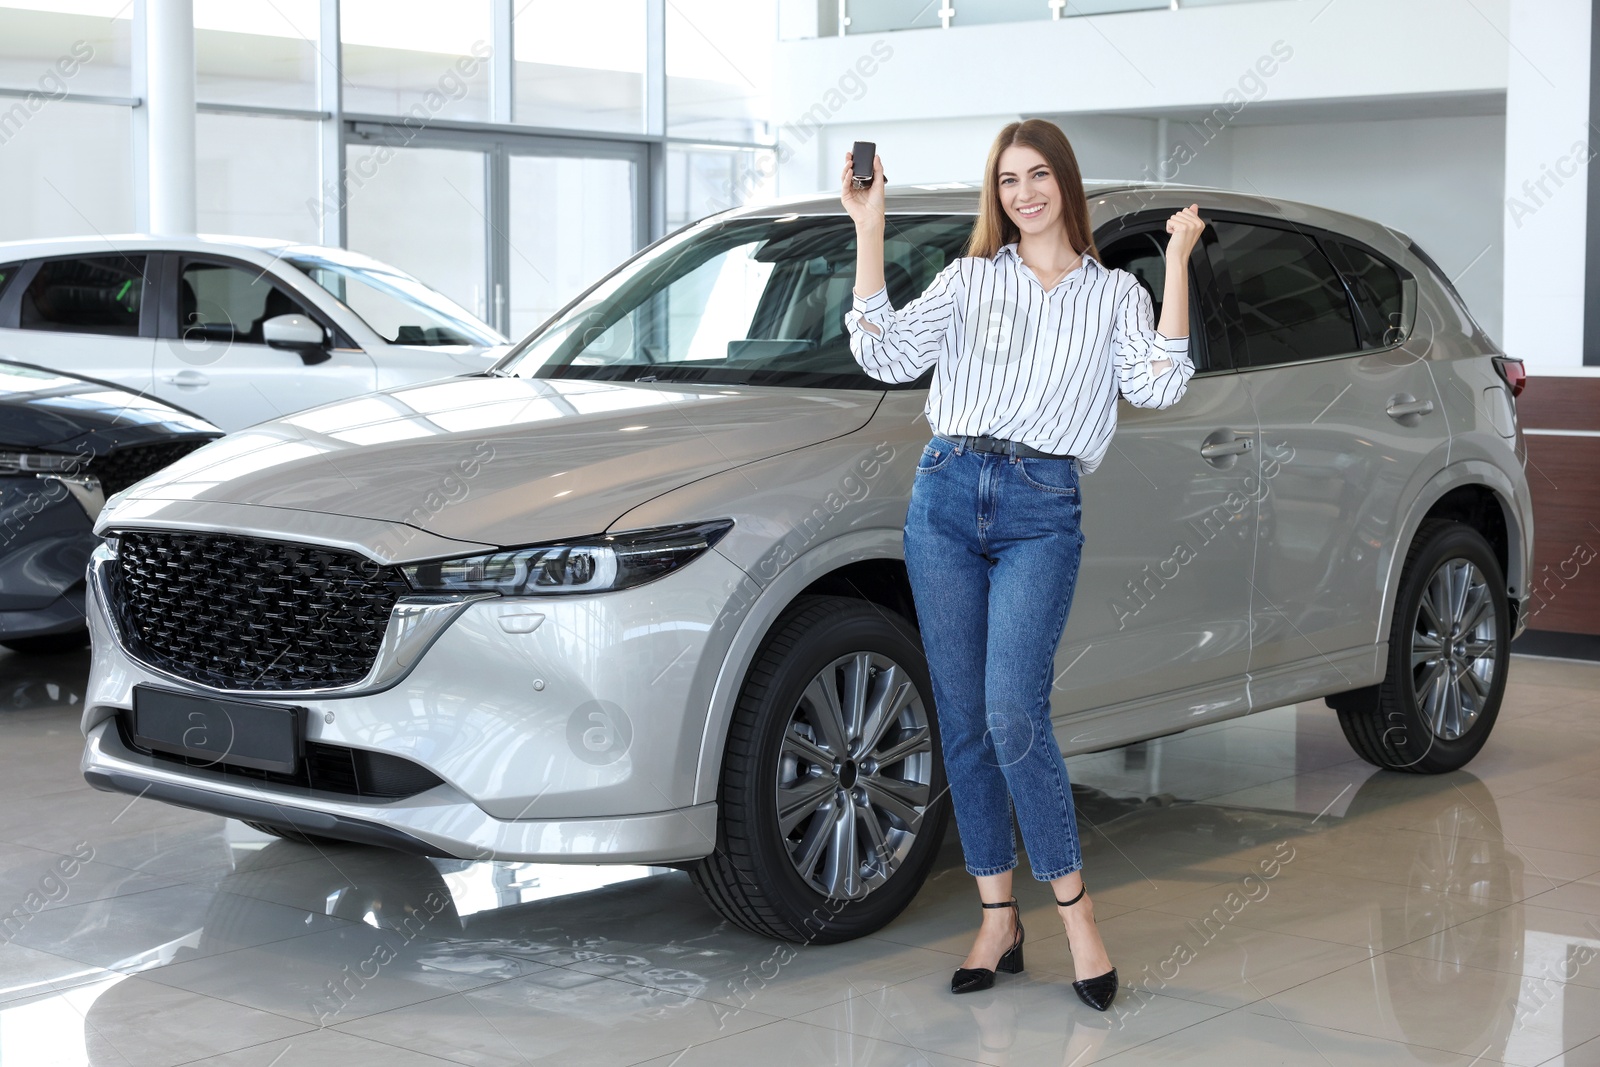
(1144,255)
(217,302)
(743,302)
(99,294)
(1292,305)
(7,272)
(1375,288)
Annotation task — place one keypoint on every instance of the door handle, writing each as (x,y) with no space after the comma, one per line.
(1219,449)
(1406,405)
(187,379)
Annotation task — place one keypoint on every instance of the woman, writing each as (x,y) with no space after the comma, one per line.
(1033,339)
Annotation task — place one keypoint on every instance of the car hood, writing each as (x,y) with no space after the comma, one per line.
(45,409)
(502,461)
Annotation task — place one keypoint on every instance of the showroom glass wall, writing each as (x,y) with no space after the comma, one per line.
(801,19)
(508,152)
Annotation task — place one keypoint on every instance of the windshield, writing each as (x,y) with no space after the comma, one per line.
(742,302)
(400,309)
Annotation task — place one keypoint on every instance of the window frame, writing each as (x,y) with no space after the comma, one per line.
(28,271)
(11,295)
(712,226)
(1321,238)
(1204,294)
(1336,246)
(174,262)
(10,271)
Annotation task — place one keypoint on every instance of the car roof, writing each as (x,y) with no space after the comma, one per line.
(1108,198)
(960,197)
(144,242)
(263,251)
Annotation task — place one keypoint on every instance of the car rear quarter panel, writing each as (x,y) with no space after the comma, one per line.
(1510,492)
(1483,446)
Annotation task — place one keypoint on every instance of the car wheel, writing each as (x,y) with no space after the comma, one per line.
(832,799)
(1449,648)
(49,644)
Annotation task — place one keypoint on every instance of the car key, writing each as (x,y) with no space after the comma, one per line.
(861,170)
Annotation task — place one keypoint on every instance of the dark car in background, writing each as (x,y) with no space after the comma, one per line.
(66,444)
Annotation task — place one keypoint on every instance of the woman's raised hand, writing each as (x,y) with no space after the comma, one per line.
(865,206)
(1185,227)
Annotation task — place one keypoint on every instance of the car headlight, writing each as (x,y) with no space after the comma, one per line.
(39,462)
(582,565)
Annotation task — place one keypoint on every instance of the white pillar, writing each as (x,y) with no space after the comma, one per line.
(502,60)
(169,100)
(1548,142)
(328,206)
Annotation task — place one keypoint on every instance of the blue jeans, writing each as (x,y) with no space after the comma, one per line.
(992,543)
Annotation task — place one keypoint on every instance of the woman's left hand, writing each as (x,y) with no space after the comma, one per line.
(1185,227)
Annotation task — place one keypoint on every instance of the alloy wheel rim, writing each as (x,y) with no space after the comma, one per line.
(1454,641)
(854,776)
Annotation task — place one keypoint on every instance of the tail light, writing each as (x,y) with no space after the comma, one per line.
(1511,373)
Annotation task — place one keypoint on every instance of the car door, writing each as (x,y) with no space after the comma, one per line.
(89,315)
(212,358)
(1159,629)
(1347,415)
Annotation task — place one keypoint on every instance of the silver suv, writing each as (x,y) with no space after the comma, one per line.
(637,595)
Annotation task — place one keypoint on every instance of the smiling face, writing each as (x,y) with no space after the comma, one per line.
(1028,190)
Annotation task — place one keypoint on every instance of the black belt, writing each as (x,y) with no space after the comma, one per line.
(985,443)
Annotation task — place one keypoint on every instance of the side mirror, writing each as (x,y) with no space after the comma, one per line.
(299,334)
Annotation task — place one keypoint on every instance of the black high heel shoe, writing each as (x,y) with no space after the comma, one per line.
(1099,991)
(972,979)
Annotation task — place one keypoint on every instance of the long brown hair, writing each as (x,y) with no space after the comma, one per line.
(995,228)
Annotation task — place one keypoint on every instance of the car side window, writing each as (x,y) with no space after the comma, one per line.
(1144,255)
(1375,287)
(1291,302)
(92,294)
(755,301)
(221,302)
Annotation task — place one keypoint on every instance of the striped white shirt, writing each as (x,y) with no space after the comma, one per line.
(1015,361)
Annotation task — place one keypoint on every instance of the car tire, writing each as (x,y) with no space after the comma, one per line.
(48,644)
(808,875)
(1441,694)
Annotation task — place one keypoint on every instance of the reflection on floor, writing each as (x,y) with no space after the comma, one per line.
(1266,897)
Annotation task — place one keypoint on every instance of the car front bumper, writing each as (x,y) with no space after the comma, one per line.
(64,615)
(440,822)
(45,538)
(562,728)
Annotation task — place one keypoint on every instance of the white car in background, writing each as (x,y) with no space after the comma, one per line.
(238,330)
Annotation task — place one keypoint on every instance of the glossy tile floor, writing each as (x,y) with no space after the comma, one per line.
(1267,898)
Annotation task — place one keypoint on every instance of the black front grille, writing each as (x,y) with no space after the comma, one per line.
(244,613)
(120,469)
(326,768)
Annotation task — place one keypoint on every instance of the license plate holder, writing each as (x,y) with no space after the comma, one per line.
(241,733)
